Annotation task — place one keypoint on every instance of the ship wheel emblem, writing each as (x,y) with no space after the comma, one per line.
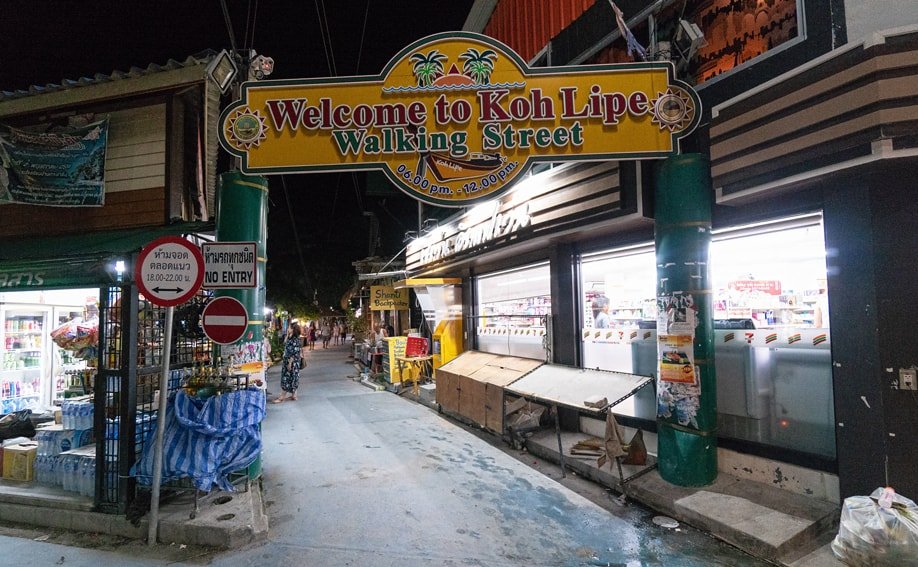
(246,128)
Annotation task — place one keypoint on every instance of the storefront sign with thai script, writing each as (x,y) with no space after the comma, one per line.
(770,287)
(457,118)
(385,297)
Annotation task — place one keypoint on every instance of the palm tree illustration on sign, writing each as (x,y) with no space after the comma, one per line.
(479,64)
(427,67)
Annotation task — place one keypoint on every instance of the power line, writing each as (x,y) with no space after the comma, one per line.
(296,236)
(229,25)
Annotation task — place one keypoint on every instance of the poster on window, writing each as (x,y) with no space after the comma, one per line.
(60,168)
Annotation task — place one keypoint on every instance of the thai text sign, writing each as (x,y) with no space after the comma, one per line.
(456,118)
(384,297)
(229,265)
(63,169)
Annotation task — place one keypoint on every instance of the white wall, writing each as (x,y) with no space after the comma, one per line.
(867,16)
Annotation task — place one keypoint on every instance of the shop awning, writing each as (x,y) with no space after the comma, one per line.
(423,282)
(77,260)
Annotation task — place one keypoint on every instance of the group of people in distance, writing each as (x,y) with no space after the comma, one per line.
(296,342)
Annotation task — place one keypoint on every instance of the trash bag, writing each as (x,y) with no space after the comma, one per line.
(878,530)
(17,424)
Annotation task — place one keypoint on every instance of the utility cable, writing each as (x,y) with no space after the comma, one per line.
(254,19)
(229,25)
(248,17)
(363,34)
(296,236)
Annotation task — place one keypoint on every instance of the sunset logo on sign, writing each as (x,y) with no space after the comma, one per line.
(456,118)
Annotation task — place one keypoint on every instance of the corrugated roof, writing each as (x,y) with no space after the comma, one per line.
(201,58)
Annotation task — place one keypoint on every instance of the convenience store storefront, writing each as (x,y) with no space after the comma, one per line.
(812,198)
(556,292)
(86,280)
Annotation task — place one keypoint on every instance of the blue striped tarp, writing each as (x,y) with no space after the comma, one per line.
(206,440)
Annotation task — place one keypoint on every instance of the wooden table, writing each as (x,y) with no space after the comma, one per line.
(421,363)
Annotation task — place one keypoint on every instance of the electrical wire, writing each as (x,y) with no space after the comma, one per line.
(326,38)
(248,17)
(229,25)
(363,33)
(254,19)
(296,236)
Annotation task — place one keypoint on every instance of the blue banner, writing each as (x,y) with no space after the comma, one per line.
(60,169)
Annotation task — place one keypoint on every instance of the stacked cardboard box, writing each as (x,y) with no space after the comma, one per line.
(18,461)
(472,385)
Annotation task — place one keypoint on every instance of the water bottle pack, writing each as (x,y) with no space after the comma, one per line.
(77,415)
(55,440)
(74,473)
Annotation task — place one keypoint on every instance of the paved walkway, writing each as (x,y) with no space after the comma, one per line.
(353,476)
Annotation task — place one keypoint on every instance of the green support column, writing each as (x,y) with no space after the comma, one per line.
(686,387)
(242,216)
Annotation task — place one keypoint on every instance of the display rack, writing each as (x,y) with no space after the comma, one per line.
(571,387)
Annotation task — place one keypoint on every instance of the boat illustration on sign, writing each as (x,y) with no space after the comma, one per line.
(446,168)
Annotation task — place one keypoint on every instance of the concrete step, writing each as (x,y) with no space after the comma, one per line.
(762,520)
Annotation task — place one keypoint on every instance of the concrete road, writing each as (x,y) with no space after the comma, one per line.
(358,477)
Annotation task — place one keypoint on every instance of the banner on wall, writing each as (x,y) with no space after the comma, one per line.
(63,168)
(456,118)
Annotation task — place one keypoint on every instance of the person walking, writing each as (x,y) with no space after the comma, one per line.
(326,333)
(311,338)
(292,361)
(336,332)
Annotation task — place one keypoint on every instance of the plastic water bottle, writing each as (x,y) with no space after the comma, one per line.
(84,475)
(90,477)
(82,414)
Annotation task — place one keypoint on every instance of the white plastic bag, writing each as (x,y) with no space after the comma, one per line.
(878,530)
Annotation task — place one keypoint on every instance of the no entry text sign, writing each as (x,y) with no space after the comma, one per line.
(169,271)
(225,320)
(230,265)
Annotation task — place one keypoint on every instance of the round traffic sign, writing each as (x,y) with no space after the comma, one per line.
(169,271)
(225,320)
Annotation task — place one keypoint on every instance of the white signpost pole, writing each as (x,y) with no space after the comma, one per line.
(160,429)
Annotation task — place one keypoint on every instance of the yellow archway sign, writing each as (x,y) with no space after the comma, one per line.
(456,118)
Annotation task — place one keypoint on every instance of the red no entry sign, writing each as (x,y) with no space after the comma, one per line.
(225,320)
(169,271)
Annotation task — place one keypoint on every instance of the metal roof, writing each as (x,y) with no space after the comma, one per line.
(201,58)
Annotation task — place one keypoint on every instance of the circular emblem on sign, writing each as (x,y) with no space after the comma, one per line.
(246,128)
(672,109)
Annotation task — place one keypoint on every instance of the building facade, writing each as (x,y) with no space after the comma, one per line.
(809,114)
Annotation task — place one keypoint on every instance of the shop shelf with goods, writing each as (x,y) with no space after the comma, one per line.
(22,360)
(525,313)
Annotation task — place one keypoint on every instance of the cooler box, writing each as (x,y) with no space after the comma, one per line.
(416,346)
(18,461)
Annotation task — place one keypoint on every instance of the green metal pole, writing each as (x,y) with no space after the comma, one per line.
(686,387)
(242,216)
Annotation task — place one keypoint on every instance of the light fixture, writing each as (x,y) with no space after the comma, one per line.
(222,70)
(429,225)
(268,311)
(261,67)
(119,267)
(688,39)
(410,235)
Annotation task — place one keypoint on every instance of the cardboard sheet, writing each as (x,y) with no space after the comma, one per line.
(572,387)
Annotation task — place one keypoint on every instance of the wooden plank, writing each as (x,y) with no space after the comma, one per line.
(135,149)
(472,399)
(121,210)
(131,185)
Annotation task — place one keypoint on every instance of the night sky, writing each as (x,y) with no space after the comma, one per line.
(45,41)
